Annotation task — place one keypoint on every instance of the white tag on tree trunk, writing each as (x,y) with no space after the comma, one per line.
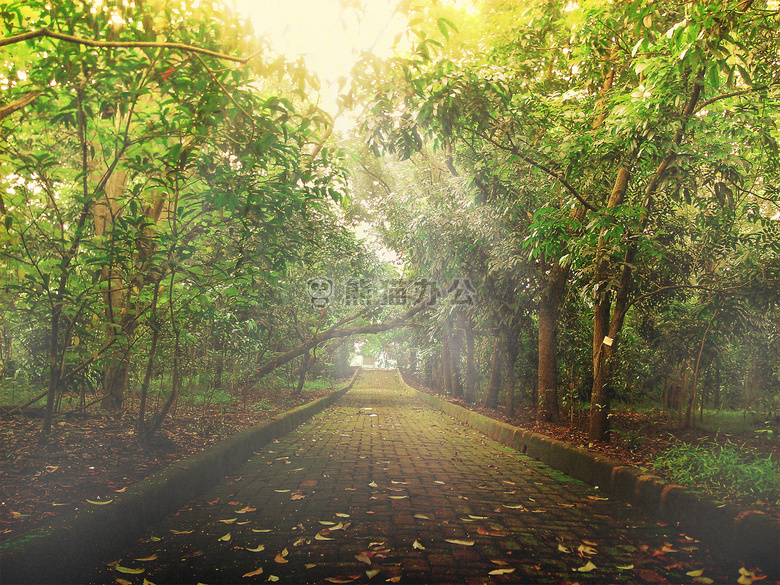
(607,340)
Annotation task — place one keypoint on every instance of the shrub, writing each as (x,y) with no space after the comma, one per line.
(722,471)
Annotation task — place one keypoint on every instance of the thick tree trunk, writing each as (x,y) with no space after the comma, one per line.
(302,376)
(547,387)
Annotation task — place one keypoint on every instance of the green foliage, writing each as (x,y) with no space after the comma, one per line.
(723,471)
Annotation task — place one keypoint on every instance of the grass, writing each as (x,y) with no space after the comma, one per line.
(722,471)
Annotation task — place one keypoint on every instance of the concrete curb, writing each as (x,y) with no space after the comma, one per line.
(751,536)
(73,542)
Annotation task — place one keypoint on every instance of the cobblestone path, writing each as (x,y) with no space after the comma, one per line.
(380,488)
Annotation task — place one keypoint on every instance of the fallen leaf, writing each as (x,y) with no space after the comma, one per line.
(225,538)
(319,536)
(586,550)
(245,509)
(230,521)
(280,558)
(416,544)
(340,515)
(563,549)
(363,559)
(147,582)
(297,496)
(121,491)
(373,484)
(340,579)
(253,573)
(151,558)
(181,531)
(624,567)
(127,570)
(698,573)
(398,497)
(261,530)
(587,568)
(371,573)
(485,532)
(259,548)
(501,571)
(478,517)
(310,565)
(282,491)
(422,516)
(393,579)
(273,578)
(122,581)
(459,541)
(231,503)
(747,577)
(500,563)
(515,507)
(99,503)
(327,523)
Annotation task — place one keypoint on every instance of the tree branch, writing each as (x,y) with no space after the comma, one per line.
(46,33)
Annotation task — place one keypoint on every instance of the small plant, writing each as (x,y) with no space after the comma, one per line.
(633,439)
(723,471)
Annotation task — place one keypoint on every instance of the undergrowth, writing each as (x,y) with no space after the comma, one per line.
(722,471)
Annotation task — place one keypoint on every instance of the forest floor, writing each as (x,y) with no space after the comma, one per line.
(94,456)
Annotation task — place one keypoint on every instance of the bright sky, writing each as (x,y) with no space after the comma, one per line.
(329,37)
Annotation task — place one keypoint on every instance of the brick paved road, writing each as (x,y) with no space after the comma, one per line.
(380,488)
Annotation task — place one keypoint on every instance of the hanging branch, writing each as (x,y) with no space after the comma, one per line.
(46,33)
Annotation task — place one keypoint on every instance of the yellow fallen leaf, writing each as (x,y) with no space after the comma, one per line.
(282,491)
(501,571)
(500,563)
(280,558)
(151,558)
(121,492)
(373,484)
(310,565)
(341,515)
(273,578)
(363,559)
(459,541)
(422,517)
(478,517)
(261,530)
(253,573)
(586,550)
(371,573)
(416,544)
(698,573)
(319,536)
(181,531)
(99,503)
(147,582)
(127,570)
(587,568)
(563,549)
(225,538)
(398,497)
(326,523)
(625,567)
(229,521)
(259,548)
(122,581)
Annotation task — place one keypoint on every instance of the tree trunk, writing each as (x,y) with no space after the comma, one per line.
(547,387)
(457,387)
(446,364)
(302,376)
(471,376)
(494,383)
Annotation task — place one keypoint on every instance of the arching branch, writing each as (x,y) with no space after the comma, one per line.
(46,33)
